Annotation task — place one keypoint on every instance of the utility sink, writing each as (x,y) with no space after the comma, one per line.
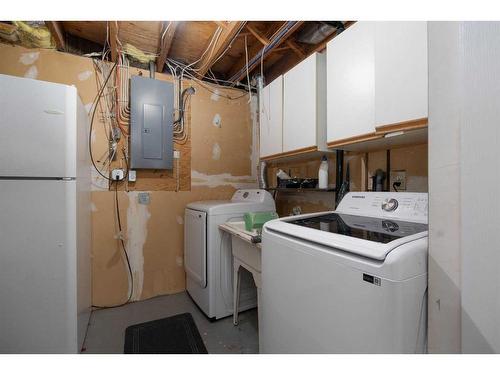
(238,228)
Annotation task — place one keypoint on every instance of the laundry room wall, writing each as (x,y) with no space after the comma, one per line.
(218,158)
(411,159)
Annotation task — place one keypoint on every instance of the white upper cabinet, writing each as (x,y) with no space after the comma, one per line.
(400,72)
(271,118)
(351,83)
(376,77)
(304,101)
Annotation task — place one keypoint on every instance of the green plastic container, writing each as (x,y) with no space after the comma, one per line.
(256,220)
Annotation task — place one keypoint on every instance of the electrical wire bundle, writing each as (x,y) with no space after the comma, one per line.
(107,91)
(112,100)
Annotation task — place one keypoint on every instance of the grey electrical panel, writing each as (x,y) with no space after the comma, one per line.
(151,123)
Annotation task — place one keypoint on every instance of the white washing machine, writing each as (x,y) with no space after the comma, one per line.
(207,252)
(352,280)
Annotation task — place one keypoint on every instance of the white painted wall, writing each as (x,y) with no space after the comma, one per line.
(464,209)
(444,189)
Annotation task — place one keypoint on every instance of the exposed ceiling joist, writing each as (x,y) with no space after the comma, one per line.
(113,37)
(221,24)
(265,41)
(57,31)
(280,36)
(223,42)
(165,44)
(261,38)
(296,49)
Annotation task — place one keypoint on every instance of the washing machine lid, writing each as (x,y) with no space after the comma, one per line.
(362,235)
(243,200)
(228,207)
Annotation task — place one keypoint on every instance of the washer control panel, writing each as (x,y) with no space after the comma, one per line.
(400,206)
(252,195)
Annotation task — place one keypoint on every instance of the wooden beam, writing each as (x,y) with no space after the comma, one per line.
(57,31)
(221,24)
(255,33)
(165,44)
(295,48)
(288,61)
(277,39)
(113,37)
(223,42)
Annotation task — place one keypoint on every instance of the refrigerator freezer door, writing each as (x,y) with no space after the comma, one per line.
(38,267)
(38,128)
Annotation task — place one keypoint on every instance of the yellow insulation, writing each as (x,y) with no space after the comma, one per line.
(136,54)
(8,32)
(34,37)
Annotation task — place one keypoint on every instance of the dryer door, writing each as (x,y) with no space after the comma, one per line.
(195,246)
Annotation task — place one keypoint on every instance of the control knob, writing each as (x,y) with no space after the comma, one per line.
(389,204)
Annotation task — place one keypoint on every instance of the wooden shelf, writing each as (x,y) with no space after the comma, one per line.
(388,136)
(307,153)
(301,189)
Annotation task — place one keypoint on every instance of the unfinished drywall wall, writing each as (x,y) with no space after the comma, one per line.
(153,232)
(411,159)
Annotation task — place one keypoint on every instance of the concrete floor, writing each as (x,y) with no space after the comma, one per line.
(106,332)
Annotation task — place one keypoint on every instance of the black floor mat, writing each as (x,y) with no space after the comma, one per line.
(174,335)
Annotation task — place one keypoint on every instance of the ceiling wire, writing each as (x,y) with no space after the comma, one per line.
(248,73)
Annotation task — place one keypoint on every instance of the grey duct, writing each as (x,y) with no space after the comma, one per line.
(315,33)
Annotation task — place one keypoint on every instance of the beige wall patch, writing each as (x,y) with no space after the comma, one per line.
(29,58)
(32,72)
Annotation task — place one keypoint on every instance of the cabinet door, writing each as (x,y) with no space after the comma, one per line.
(299,106)
(350,83)
(271,118)
(400,72)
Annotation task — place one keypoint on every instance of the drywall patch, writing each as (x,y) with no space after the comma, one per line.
(83,76)
(217,121)
(32,72)
(180,220)
(29,58)
(98,183)
(137,232)
(238,182)
(216,150)
(215,96)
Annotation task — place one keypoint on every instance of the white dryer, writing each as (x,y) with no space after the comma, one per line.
(349,281)
(207,252)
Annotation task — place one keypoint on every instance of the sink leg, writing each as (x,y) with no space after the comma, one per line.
(236,293)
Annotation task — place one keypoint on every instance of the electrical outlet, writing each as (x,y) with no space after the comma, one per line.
(177,154)
(398,176)
(117,174)
(132,176)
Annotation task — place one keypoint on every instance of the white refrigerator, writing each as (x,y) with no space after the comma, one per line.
(45,229)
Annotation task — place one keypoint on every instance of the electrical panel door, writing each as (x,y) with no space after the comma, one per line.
(151,123)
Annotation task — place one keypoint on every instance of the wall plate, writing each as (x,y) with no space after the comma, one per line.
(398,176)
(143,198)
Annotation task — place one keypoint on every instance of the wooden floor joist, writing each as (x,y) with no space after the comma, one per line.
(223,42)
(57,31)
(165,44)
(275,41)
